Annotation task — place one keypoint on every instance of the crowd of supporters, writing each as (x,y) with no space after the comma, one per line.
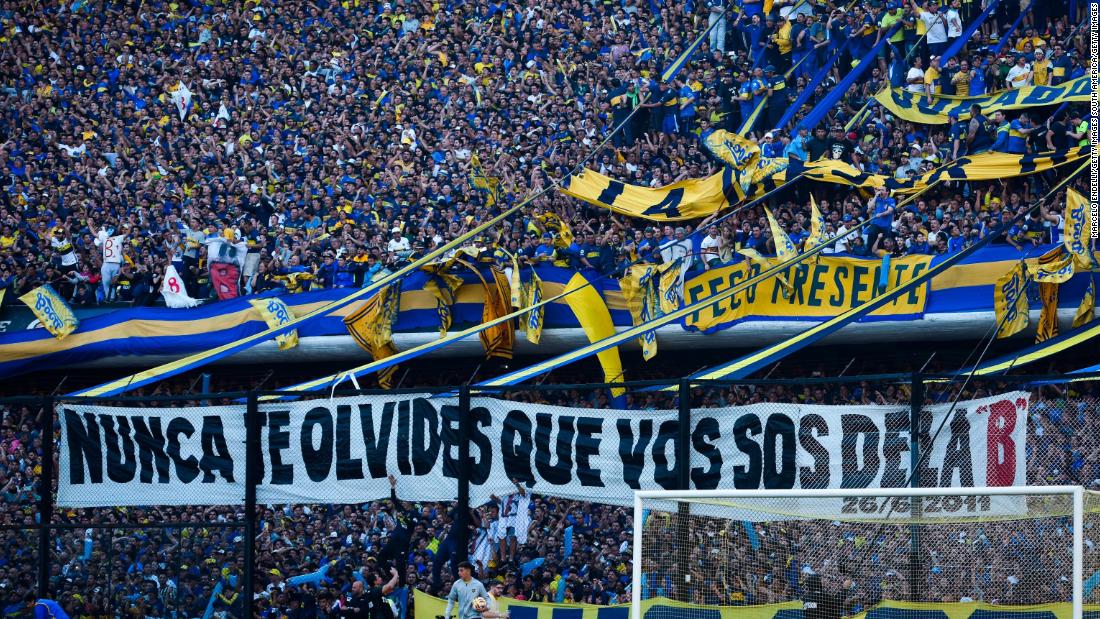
(339,140)
(119,562)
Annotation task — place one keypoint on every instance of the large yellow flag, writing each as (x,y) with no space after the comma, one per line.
(276,314)
(1010,301)
(51,310)
(1078,229)
(371,326)
(592,313)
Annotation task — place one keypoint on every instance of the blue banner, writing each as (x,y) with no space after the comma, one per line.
(965,287)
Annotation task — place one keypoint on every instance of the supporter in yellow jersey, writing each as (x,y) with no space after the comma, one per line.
(1040,69)
(932,79)
(961,79)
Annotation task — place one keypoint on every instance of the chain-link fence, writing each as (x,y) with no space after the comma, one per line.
(285,502)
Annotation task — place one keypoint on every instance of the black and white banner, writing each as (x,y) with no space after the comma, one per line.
(341,450)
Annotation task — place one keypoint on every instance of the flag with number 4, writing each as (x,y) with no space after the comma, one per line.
(173,290)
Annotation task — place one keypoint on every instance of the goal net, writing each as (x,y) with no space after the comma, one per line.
(836,553)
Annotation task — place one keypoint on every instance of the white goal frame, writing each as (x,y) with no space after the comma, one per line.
(1076,492)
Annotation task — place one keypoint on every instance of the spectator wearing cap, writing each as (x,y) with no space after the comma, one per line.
(1040,68)
(957,135)
(894,15)
(932,79)
(777,96)
(784,42)
(772,147)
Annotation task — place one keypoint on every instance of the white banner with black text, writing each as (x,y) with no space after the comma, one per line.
(342,450)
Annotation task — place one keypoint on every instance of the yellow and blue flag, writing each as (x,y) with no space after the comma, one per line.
(1077,232)
(784,248)
(51,310)
(276,314)
(532,296)
(1010,304)
(639,288)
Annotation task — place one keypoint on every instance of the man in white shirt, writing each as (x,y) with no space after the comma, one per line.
(514,522)
(936,23)
(399,244)
(1019,76)
(111,245)
(710,248)
(954,21)
(846,234)
(676,248)
(914,79)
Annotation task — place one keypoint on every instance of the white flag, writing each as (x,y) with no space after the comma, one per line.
(181,97)
(223,112)
(175,294)
(112,248)
(218,249)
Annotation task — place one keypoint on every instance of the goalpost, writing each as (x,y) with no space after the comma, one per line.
(838,552)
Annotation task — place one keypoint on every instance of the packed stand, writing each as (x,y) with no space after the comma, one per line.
(341,140)
(309,556)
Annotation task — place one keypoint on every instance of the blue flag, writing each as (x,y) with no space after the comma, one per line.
(751,533)
(817,78)
(530,566)
(817,114)
(568,540)
(560,594)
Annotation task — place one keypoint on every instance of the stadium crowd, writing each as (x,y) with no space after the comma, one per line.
(118,562)
(341,139)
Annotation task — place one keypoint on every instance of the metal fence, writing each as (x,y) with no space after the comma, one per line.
(175,561)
